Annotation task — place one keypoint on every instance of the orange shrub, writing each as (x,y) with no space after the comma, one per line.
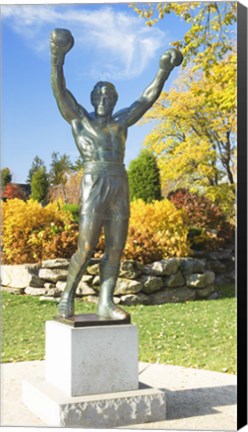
(156,230)
(28,230)
(33,233)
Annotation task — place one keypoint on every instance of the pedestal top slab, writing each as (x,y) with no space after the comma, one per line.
(89,320)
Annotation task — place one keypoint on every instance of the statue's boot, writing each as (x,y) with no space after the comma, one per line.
(106,306)
(75,273)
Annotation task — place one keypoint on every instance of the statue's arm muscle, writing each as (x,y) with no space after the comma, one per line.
(131,115)
(67,104)
(61,41)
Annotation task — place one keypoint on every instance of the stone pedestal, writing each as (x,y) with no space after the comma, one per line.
(109,410)
(91,379)
(91,360)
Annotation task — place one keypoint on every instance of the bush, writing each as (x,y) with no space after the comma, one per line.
(32,232)
(156,230)
(73,209)
(208,225)
(39,185)
(12,191)
(144,177)
(224,197)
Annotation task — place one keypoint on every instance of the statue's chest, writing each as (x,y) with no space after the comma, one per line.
(99,135)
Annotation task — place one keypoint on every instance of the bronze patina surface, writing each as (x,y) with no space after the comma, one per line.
(104,197)
(90,320)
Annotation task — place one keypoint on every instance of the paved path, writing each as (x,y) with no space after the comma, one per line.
(195,399)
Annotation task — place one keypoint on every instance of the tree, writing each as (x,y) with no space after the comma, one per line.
(144,177)
(39,185)
(209,35)
(61,168)
(69,193)
(36,164)
(6,177)
(194,137)
(78,164)
(12,191)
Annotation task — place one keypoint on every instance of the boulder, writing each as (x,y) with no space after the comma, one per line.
(221,279)
(49,285)
(87,278)
(191,265)
(83,289)
(173,295)
(200,280)
(175,280)
(127,286)
(162,268)
(61,263)
(21,275)
(131,269)
(53,275)
(92,299)
(134,299)
(225,254)
(96,281)
(151,283)
(53,292)
(204,293)
(216,266)
(61,285)
(34,291)
(214,296)
(93,269)
(10,290)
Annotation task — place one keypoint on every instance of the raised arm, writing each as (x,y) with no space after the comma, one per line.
(61,41)
(168,61)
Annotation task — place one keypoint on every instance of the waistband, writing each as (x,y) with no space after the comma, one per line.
(113,168)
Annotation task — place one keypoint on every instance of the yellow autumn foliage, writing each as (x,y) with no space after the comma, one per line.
(24,226)
(32,233)
(156,230)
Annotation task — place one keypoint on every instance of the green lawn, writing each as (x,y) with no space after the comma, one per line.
(200,334)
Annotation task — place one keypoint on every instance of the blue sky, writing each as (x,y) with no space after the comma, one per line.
(111,43)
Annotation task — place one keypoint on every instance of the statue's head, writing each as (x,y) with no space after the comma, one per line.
(104,97)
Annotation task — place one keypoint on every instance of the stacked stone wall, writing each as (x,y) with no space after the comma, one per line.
(167,281)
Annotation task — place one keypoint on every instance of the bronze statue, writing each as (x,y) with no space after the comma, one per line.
(104,197)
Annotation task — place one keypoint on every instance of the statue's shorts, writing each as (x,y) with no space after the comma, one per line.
(104,190)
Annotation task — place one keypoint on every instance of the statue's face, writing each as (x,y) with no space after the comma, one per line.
(104,102)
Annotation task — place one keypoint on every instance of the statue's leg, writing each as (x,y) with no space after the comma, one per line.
(115,238)
(89,232)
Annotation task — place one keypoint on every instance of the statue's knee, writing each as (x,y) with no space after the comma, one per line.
(83,255)
(114,255)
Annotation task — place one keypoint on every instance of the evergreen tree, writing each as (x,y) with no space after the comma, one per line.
(6,177)
(78,164)
(39,184)
(61,168)
(36,164)
(144,177)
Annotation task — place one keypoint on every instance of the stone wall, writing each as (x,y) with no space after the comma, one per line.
(167,281)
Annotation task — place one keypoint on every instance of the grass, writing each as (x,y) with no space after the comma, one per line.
(199,334)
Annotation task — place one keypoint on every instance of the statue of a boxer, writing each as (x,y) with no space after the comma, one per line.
(104,197)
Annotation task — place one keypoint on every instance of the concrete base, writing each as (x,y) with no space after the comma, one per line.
(91,360)
(94,411)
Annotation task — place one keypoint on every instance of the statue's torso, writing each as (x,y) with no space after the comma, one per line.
(98,142)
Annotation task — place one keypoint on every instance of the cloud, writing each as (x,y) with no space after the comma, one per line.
(121,45)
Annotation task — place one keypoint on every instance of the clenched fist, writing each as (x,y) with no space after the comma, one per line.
(171,58)
(61,41)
